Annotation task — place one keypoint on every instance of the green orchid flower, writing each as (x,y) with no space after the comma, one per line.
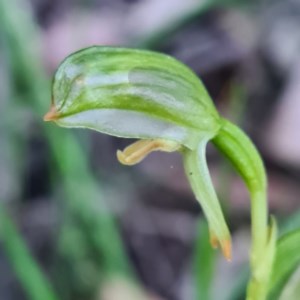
(153,97)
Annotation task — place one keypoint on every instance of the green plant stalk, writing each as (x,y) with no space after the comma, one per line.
(35,284)
(231,141)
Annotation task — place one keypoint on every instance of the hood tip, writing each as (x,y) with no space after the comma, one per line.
(51,115)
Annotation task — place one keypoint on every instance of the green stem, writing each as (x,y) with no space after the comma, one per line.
(239,149)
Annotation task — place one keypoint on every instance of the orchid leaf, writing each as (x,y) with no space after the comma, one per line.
(291,290)
(286,261)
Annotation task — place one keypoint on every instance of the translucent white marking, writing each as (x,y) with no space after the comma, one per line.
(126,124)
(94,80)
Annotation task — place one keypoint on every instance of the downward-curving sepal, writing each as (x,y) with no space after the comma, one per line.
(198,174)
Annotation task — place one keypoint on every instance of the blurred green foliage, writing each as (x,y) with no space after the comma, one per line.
(83,202)
(26,268)
(286,262)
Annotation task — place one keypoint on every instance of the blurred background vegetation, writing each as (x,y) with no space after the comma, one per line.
(74,223)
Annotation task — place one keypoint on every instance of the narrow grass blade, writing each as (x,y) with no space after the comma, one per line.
(27,270)
(203,263)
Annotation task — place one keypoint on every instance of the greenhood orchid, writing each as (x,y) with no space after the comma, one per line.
(153,97)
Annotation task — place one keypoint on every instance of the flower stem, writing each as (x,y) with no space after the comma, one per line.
(239,149)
